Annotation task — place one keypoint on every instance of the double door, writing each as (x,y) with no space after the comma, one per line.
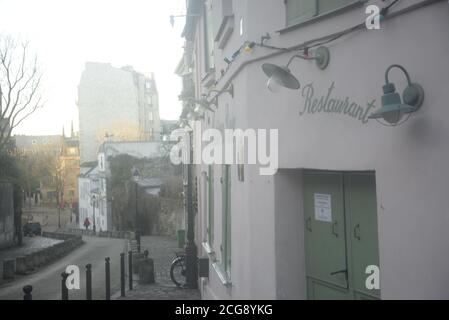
(341,236)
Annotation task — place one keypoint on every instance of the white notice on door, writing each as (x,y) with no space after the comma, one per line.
(323,211)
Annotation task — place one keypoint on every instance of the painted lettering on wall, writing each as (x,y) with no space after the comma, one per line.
(329,104)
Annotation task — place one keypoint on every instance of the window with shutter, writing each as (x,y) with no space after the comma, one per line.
(298,11)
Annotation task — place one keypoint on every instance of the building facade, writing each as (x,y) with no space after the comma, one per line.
(357,208)
(115,104)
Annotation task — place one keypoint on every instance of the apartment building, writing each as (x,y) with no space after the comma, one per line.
(116,104)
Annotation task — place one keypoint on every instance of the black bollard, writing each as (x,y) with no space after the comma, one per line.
(27,292)
(122,274)
(130,269)
(107,267)
(88,281)
(64,289)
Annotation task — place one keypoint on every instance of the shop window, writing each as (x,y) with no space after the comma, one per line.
(299,11)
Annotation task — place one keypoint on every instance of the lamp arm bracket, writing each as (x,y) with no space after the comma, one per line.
(398,66)
(299,57)
(321,56)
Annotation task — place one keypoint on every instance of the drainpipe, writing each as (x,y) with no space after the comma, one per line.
(191,249)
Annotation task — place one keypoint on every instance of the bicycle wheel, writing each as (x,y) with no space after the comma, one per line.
(177,271)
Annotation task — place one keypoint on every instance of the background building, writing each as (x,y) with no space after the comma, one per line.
(115,104)
(69,168)
(50,166)
(39,165)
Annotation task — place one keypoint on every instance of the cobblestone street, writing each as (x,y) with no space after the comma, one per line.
(162,250)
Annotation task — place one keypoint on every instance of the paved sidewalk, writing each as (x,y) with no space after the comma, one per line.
(162,250)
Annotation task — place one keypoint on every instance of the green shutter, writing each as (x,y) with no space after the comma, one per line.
(330,5)
(210,230)
(300,10)
(226,217)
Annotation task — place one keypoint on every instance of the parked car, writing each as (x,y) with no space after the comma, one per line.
(32,229)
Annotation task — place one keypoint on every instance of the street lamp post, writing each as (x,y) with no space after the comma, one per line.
(136,176)
(60,202)
(93,208)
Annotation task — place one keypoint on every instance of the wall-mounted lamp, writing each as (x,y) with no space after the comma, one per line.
(172,17)
(282,76)
(393,109)
(203,103)
(184,123)
(229,89)
(195,115)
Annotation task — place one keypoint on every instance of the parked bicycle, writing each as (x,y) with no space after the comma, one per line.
(178,269)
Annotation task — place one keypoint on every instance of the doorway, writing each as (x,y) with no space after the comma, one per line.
(341,236)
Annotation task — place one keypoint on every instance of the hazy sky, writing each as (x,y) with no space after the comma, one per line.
(65,34)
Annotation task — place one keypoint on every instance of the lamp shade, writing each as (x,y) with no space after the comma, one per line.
(392,109)
(281,75)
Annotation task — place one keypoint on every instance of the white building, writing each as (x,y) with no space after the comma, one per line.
(115,104)
(351,195)
(95,200)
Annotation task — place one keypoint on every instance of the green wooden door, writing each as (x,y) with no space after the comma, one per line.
(326,262)
(360,207)
(341,234)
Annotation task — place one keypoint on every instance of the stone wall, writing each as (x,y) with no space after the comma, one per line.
(171,216)
(6,215)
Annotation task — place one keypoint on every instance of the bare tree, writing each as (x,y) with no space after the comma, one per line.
(20,80)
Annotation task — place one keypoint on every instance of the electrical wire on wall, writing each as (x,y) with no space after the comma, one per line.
(313,43)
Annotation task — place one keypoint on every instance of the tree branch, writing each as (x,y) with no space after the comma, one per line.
(20,82)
